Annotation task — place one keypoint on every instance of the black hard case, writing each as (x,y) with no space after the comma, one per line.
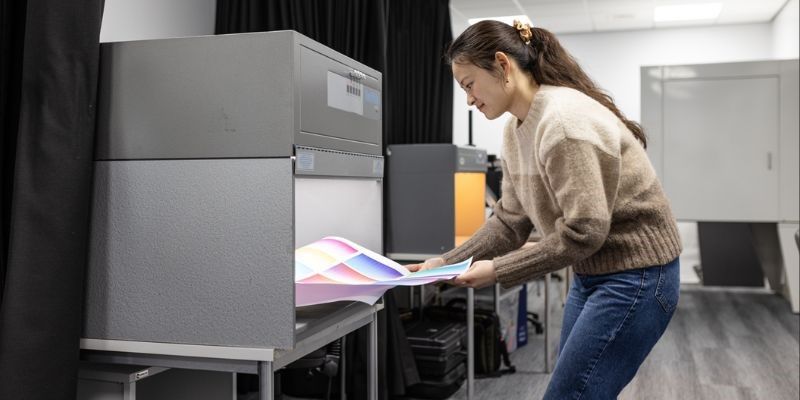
(436,338)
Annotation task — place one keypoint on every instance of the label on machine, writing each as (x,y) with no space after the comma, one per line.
(345,93)
(377,166)
(304,161)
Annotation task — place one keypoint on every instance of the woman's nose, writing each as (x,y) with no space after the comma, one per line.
(470,100)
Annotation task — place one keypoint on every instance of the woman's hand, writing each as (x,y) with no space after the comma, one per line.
(480,274)
(434,262)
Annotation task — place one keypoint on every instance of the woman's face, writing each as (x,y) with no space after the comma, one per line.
(484,89)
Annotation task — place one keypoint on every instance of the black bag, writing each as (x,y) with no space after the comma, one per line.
(490,348)
(440,388)
(436,338)
(437,346)
(434,367)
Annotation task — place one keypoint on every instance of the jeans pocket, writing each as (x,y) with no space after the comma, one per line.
(668,286)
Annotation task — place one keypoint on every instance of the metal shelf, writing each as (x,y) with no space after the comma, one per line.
(315,327)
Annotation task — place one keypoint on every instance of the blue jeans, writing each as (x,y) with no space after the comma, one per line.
(611,322)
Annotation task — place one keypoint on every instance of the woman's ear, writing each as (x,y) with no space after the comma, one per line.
(504,64)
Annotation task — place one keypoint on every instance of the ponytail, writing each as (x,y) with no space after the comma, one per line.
(542,56)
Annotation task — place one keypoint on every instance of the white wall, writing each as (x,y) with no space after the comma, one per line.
(613,60)
(154,19)
(786,31)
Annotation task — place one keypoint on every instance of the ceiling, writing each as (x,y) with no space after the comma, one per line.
(574,16)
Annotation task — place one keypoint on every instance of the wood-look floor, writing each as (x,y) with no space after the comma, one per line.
(721,344)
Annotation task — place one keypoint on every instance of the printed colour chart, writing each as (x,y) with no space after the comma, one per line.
(334,269)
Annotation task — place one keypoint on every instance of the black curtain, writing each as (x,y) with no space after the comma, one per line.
(404,39)
(48,69)
(355,28)
(418,95)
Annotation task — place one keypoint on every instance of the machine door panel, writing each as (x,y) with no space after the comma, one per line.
(347,207)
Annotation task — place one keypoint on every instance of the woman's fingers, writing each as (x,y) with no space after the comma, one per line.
(480,274)
(428,264)
(463,279)
(460,281)
(414,267)
(435,262)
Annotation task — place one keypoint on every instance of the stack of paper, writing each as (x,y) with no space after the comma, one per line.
(334,269)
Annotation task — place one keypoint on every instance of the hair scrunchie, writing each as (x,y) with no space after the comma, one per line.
(524,31)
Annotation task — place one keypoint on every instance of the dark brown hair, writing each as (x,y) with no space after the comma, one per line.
(544,58)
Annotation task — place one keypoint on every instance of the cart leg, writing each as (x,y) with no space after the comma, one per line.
(372,387)
(342,371)
(266,390)
(546,314)
(470,343)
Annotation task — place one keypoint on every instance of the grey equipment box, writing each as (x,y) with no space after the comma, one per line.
(132,382)
(216,158)
(112,382)
(436,197)
(234,96)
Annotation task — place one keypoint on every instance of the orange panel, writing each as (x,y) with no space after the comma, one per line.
(461,239)
(470,190)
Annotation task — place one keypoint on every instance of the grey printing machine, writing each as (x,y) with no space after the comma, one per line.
(216,158)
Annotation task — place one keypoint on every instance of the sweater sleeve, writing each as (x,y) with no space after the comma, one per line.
(506,230)
(584,180)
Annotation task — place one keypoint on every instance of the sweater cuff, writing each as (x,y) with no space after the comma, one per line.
(519,267)
(470,248)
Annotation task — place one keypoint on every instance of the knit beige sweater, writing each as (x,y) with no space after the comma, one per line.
(575,172)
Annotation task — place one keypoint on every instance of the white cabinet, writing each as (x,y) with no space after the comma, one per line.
(722,136)
(790,142)
(724,139)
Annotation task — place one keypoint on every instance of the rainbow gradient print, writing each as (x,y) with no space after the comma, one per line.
(335,269)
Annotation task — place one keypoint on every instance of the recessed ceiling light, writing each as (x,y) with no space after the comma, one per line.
(687,12)
(509,19)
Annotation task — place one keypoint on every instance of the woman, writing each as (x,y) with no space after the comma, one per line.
(576,169)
